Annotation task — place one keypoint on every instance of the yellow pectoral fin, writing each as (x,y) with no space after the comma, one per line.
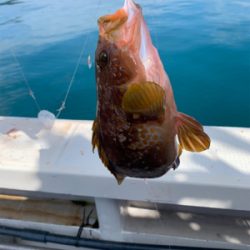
(146,98)
(191,135)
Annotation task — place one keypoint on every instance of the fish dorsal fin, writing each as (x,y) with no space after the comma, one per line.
(190,134)
(147,98)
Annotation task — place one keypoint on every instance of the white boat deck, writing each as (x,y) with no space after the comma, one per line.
(60,163)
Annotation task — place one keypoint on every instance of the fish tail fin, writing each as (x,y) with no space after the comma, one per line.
(190,133)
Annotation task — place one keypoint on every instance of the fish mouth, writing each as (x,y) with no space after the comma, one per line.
(126,28)
(123,26)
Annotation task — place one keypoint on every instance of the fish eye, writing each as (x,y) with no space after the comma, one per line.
(103,58)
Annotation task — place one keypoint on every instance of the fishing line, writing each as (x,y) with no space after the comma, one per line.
(150,190)
(31,92)
(25,81)
(156,39)
(63,105)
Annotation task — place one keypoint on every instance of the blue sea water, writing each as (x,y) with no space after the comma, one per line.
(204,46)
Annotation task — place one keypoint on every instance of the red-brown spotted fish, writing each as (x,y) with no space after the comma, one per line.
(137,120)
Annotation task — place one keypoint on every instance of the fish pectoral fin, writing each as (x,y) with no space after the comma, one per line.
(147,98)
(191,135)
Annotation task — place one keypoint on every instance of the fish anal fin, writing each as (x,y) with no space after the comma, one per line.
(119,178)
(191,135)
(144,98)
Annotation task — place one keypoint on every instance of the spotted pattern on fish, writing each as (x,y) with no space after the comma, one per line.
(118,72)
(147,136)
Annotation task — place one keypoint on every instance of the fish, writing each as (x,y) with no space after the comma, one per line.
(138,130)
